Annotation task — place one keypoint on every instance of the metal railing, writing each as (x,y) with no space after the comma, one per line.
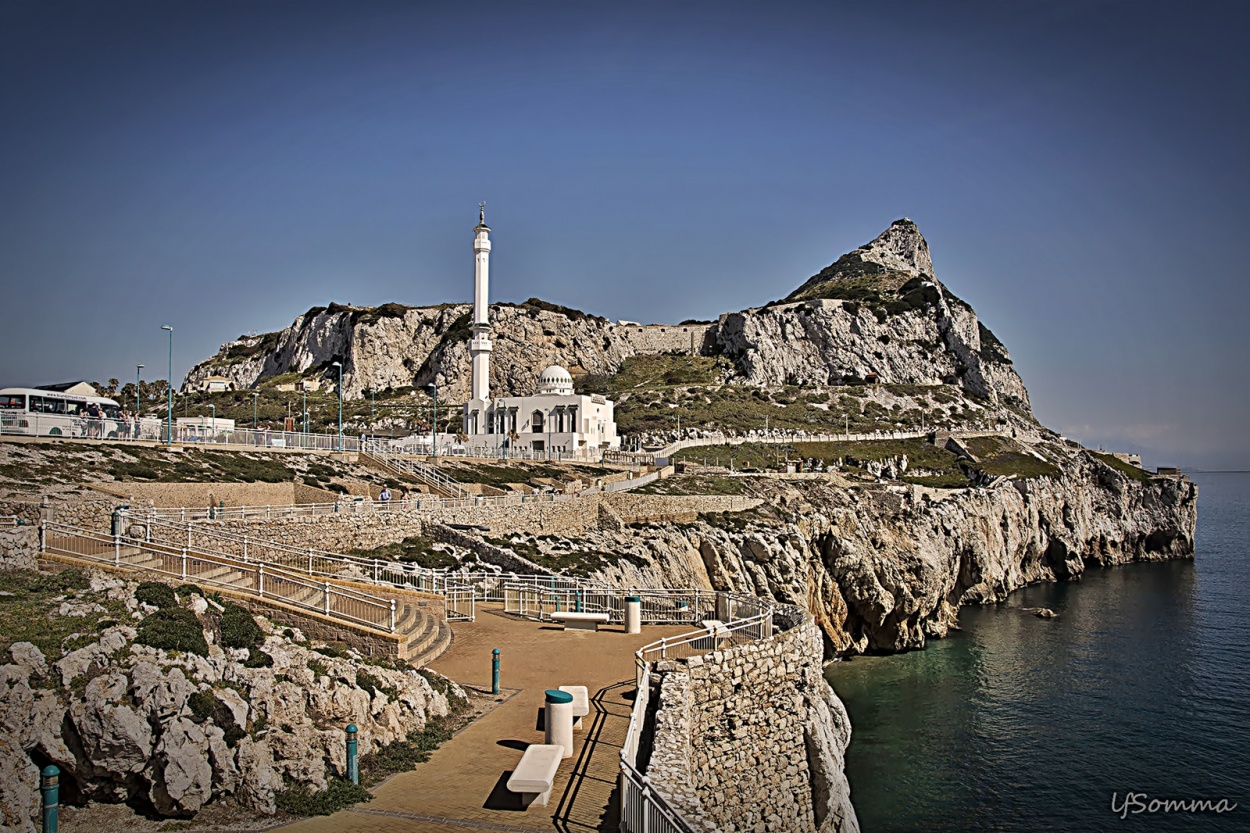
(148,430)
(264,581)
(431,475)
(784,437)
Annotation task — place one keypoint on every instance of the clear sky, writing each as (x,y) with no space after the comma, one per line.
(1079,169)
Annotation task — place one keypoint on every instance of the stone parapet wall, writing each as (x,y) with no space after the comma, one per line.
(746,738)
(689,339)
(19,548)
(199,495)
(632,508)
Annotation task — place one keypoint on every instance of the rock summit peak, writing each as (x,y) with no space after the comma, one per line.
(900,248)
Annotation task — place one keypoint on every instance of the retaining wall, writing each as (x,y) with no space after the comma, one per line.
(747,739)
(19,548)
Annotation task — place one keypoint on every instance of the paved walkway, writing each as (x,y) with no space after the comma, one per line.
(463,785)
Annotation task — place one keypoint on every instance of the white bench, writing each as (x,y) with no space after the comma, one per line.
(581,702)
(580,621)
(536,772)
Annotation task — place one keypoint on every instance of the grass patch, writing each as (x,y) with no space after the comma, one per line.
(1127,469)
(30,613)
(299,800)
(689,484)
(415,549)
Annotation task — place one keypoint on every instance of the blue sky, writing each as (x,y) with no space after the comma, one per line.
(1079,170)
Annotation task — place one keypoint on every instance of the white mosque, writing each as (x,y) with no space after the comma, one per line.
(555,421)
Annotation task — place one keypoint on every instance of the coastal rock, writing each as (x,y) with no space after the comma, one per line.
(180,774)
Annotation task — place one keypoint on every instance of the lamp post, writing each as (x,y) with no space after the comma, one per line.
(339,365)
(169,384)
(305,410)
(373,400)
(138,367)
(212,425)
(255,396)
(433,391)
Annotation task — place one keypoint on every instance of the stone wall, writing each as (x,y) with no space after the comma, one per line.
(751,738)
(19,548)
(632,508)
(690,339)
(173,495)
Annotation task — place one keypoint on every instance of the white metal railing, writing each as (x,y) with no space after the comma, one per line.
(403,465)
(711,638)
(265,581)
(149,429)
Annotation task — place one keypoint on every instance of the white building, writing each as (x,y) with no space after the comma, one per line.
(555,421)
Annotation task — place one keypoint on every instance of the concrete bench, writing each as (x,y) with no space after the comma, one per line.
(580,621)
(581,702)
(536,772)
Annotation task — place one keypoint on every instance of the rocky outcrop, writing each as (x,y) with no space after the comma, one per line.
(885,567)
(170,732)
(877,312)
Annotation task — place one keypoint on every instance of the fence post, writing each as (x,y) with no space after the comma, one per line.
(260,581)
(184,563)
(494,671)
(310,561)
(266,512)
(50,786)
(353,768)
(392,615)
(188,536)
(375,569)
(663,648)
(117,549)
(244,549)
(327,598)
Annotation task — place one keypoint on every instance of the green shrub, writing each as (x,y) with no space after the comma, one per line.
(332,649)
(173,629)
(202,704)
(188,590)
(403,755)
(256,658)
(301,801)
(156,594)
(239,628)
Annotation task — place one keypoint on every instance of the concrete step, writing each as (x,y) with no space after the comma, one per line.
(433,649)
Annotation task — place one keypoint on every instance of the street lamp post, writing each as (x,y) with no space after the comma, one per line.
(433,390)
(305,410)
(255,396)
(169,384)
(373,401)
(212,425)
(339,365)
(138,367)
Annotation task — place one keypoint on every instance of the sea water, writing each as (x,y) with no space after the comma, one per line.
(1138,693)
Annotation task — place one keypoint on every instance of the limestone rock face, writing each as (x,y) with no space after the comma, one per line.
(924,336)
(885,568)
(127,722)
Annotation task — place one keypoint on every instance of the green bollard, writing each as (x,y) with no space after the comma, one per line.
(50,785)
(353,766)
(494,672)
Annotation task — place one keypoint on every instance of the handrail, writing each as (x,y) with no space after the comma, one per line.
(398,463)
(260,580)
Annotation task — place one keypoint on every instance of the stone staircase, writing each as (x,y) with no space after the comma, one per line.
(424,635)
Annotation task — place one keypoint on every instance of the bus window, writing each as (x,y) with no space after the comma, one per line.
(110,411)
(46,405)
(13,402)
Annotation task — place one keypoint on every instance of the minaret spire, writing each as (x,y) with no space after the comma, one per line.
(480,346)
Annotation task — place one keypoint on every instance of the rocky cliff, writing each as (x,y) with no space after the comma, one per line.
(877,313)
(885,566)
(169,731)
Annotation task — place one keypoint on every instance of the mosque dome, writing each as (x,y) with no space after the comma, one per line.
(557,380)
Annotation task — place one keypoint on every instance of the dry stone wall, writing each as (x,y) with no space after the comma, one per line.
(19,548)
(751,738)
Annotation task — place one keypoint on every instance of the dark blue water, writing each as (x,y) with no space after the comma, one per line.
(1016,723)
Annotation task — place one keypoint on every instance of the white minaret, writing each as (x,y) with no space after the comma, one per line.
(480,346)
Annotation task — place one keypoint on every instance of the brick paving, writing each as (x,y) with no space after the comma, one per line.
(463,785)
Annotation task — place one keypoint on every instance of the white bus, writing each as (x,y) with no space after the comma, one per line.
(39,412)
